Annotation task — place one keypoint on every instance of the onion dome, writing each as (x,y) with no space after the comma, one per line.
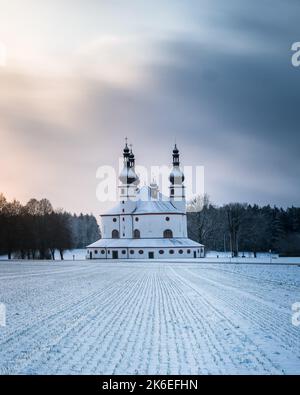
(126,151)
(128,176)
(176,176)
(175,150)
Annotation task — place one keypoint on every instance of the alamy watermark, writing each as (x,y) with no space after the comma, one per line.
(2,314)
(107,189)
(296,314)
(3,55)
(296,56)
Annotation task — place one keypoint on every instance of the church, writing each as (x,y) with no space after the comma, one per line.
(145,224)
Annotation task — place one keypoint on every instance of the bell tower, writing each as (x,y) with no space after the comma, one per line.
(177,188)
(128,181)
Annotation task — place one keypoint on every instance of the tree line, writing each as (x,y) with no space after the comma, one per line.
(37,231)
(242,227)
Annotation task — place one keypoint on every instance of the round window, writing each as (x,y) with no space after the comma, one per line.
(102,252)
(123,252)
(115,219)
(188,251)
(167,218)
(171,252)
(131,252)
(137,220)
(141,252)
(161,252)
(180,252)
(96,251)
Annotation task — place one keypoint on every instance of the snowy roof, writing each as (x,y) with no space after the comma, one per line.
(145,243)
(147,205)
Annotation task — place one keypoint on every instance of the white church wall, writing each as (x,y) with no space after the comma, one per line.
(126,226)
(143,253)
(108,224)
(155,225)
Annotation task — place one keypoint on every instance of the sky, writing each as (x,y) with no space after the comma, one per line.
(215,76)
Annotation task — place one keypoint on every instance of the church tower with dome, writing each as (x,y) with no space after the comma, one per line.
(145,224)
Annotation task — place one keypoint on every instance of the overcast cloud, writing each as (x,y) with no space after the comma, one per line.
(215,75)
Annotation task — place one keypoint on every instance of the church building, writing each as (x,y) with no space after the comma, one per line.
(145,224)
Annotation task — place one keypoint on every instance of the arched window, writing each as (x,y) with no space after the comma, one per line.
(136,234)
(168,234)
(115,234)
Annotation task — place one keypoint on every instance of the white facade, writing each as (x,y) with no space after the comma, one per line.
(145,224)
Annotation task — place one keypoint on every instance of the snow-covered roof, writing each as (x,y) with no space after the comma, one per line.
(147,205)
(183,242)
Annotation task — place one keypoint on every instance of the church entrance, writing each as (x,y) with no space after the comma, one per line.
(195,254)
(115,255)
(151,255)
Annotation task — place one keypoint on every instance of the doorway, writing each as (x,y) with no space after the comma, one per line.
(195,254)
(151,255)
(115,255)
(91,255)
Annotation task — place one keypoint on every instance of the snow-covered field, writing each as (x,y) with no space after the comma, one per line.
(94,317)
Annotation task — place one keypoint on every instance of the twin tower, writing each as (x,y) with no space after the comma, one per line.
(129,181)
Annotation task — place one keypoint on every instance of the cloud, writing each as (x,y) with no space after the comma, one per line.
(216,77)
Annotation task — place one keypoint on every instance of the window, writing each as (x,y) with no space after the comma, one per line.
(136,234)
(123,202)
(123,252)
(131,252)
(108,251)
(180,252)
(188,251)
(102,252)
(141,252)
(171,252)
(115,219)
(123,211)
(172,191)
(168,234)
(137,219)
(167,218)
(115,234)
(96,251)
(161,252)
